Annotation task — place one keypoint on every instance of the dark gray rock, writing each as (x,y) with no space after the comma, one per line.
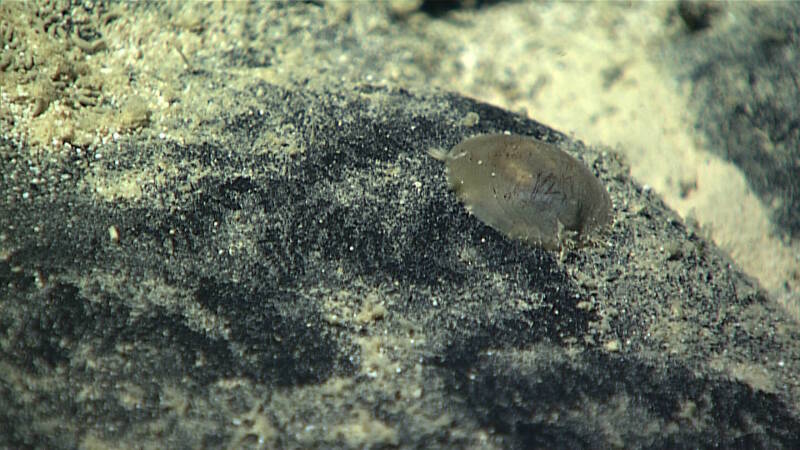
(301,277)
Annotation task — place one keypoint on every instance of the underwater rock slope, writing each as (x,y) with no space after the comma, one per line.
(301,276)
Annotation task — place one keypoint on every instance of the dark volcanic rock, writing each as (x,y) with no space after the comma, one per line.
(302,277)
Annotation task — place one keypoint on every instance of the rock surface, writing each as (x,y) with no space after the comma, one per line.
(220,227)
(313,282)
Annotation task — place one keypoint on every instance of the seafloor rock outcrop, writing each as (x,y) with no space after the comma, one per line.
(302,277)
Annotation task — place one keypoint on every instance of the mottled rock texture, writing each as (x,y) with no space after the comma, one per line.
(220,228)
(305,279)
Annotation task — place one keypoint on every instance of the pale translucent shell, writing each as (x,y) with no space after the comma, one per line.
(525,188)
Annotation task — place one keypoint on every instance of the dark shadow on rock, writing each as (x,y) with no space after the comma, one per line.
(440,8)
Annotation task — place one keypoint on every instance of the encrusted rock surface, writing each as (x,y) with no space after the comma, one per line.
(220,227)
(307,279)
